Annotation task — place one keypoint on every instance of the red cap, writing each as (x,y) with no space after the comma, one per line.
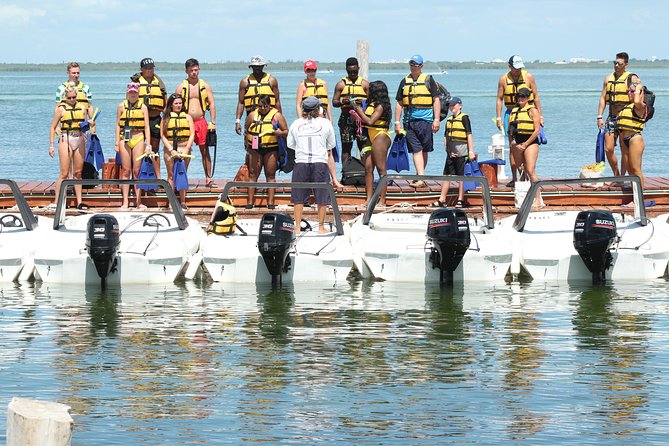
(310,65)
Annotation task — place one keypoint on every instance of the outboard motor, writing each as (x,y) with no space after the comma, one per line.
(275,239)
(594,233)
(448,230)
(102,242)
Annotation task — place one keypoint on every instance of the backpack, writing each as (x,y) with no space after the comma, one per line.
(89,172)
(353,172)
(649,100)
(444,97)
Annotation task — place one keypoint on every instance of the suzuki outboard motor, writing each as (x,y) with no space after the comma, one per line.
(102,242)
(448,230)
(275,239)
(594,233)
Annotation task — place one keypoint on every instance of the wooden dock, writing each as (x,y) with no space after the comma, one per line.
(400,197)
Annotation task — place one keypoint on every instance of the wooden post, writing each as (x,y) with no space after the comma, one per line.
(32,422)
(362,54)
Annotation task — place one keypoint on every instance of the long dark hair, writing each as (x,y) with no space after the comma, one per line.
(378,95)
(170,101)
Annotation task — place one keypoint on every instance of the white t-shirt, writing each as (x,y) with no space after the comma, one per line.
(311,139)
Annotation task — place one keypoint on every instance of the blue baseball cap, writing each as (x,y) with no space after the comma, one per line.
(455,100)
(417,58)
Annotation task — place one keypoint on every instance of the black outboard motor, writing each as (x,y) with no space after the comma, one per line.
(275,239)
(102,242)
(594,233)
(448,230)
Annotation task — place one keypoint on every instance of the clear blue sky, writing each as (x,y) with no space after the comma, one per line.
(48,31)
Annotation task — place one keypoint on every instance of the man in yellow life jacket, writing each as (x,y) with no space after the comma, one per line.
(84,96)
(198,97)
(418,96)
(614,94)
(507,87)
(352,88)
(252,86)
(153,94)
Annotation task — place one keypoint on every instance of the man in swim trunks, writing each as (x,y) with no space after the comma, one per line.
(153,94)
(615,94)
(352,88)
(252,86)
(507,87)
(198,97)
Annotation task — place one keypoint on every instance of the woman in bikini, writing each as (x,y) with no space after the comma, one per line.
(132,135)
(630,124)
(177,133)
(71,141)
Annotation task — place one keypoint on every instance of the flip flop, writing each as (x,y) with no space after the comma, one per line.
(438,204)
(83,206)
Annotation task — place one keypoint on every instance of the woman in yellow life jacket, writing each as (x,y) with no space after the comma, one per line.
(524,126)
(132,137)
(376,118)
(312,86)
(262,145)
(177,133)
(71,141)
(629,125)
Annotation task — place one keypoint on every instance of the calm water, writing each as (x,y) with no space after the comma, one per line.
(358,363)
(569,98)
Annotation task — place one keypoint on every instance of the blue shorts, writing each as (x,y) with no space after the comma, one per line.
(310,173)
(419,136)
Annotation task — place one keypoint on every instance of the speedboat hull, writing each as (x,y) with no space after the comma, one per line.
(316,257)
(18,244)
(152,250)
(394,247)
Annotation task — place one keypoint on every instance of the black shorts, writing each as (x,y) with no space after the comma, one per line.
(154,128)
(455,166)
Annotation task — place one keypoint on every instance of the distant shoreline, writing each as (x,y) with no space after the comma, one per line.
(297,66)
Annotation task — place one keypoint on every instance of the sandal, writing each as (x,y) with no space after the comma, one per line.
(271,206)
(417,183)
(83,207)
(461,204)
(438,204)
(248,206)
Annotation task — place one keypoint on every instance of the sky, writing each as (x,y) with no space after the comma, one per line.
(48,31)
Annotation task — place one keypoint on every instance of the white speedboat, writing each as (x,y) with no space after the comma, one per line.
(592,245)
(445,246)
(267,249)
(20,233)
(118,247)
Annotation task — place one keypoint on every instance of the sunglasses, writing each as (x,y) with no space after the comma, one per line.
(70,97)
(264,106)
(414,64)
(618,64)
(311,70)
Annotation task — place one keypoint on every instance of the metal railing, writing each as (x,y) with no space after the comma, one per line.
(637,196)
(29,219)
(326,186)
(487,201)
(172,199)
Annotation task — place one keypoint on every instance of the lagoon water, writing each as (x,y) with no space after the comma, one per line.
(347,363)
(569,98)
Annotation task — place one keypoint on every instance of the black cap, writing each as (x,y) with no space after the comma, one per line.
(147,62)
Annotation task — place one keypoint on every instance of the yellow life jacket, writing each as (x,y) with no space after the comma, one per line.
(353,89)
(521,119)
(318,90)
(263,128)
(512,87)
(455,129)
(151,94)
(177,127)
(81,95)
(616,89)
(132,116)
(380,123)
(629,121)
(227,219)
(72,118)
(416,93)
(254,89)
(204,98)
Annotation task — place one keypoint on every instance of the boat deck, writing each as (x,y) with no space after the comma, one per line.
(351,200)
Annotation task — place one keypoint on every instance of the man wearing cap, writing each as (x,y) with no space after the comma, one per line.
(198,97)
(418,97)
(352,88)
(312,86)
(252,86)
(507,87)
(459,145)
(614,94)
(312,138)
(153,94)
